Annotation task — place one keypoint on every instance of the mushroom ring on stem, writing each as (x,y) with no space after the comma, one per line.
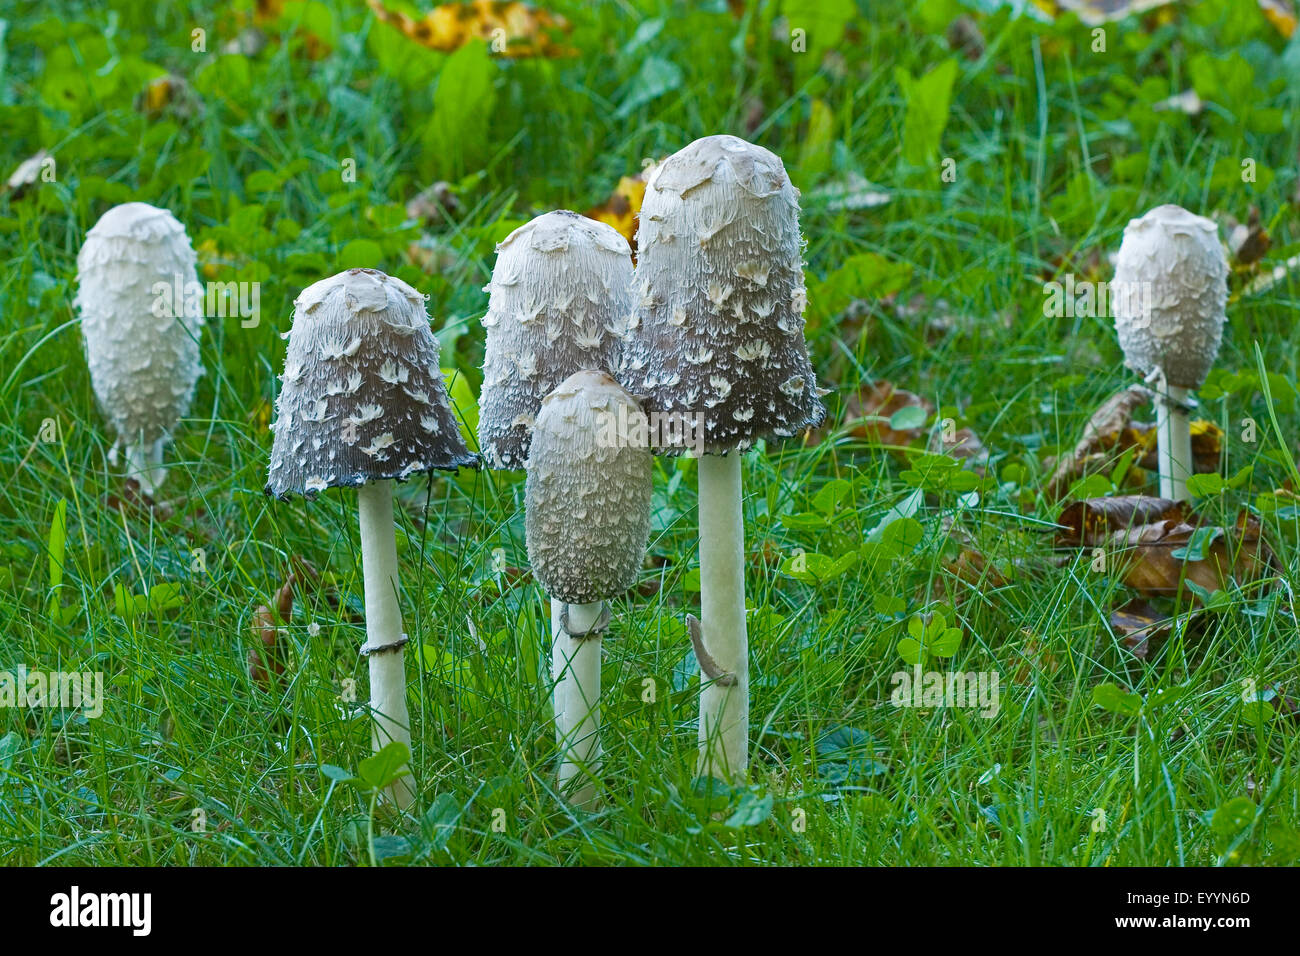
(588,495)
(141,311)
(363,405)
(720,346)
(1169,294)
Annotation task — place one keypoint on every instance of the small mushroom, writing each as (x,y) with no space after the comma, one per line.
(720,342)
(363,404)
(1170,292)
(588,518)
(559,301)
(141,318)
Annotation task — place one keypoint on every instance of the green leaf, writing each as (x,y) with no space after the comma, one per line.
(750,811)
(1233,817)
(910,651)
(1197,545)
(908,417)
(338,774)
(831,495)
(1204,486)
(656,77)
(928,101)
(464,402)
(864,276)
(386,765)
(1111,697)
(946,644)
(456,136)
(360,254)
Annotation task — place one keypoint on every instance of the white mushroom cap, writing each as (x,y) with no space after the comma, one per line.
(363,397)
(559,301)
(721,296)
(588,491)
(142,348)
(1171,279)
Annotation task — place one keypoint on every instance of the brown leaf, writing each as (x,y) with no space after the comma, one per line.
(1249,241)
(1105,436)
(870,409)
(435,204)
(1138,623)
(1093,522)
(511,29)
(965,445)
(1146,558)
(267,656)
(964,35)
(169,94)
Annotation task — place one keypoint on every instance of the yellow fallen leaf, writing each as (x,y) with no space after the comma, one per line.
(510,28)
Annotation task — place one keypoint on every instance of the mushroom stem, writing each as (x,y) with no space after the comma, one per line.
(575,668)
(724,705)
(1174,441)
(384,636)
(144,464)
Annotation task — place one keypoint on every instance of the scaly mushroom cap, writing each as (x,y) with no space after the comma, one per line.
(1171,287)
(588,491)
(141,319)
(363,397)
(720,281)
(559,301)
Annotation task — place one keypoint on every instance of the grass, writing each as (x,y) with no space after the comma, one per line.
(1055,146)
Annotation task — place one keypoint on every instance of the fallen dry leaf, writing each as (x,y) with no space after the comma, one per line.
(1139,624)
(1280,13)
(510,29)
(169,94)
(1090,523)
(434,205)
(868,411)
(1111,431)
(1146,557)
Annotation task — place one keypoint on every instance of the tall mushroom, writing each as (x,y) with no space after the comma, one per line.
(559,302)
(1171,279)
(588,517)
(363,404)
(720,344)
(141,321)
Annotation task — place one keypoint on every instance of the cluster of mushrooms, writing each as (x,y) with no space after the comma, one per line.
(707,326)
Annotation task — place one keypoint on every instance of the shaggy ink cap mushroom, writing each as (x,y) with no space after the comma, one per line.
(142,348)
(1171,278)
(588,491)
(721,297)
(363,398)
(559,301)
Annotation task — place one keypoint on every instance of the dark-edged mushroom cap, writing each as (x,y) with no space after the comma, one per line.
(721,297)
(588,491)
(1169,294)
(363,398)
(560,300)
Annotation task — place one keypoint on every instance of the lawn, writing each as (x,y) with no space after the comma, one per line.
(954,159)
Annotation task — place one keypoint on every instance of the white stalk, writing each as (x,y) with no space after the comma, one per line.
(384,626)
(144,464)
(575,668)
(1174,441)
(724,704)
